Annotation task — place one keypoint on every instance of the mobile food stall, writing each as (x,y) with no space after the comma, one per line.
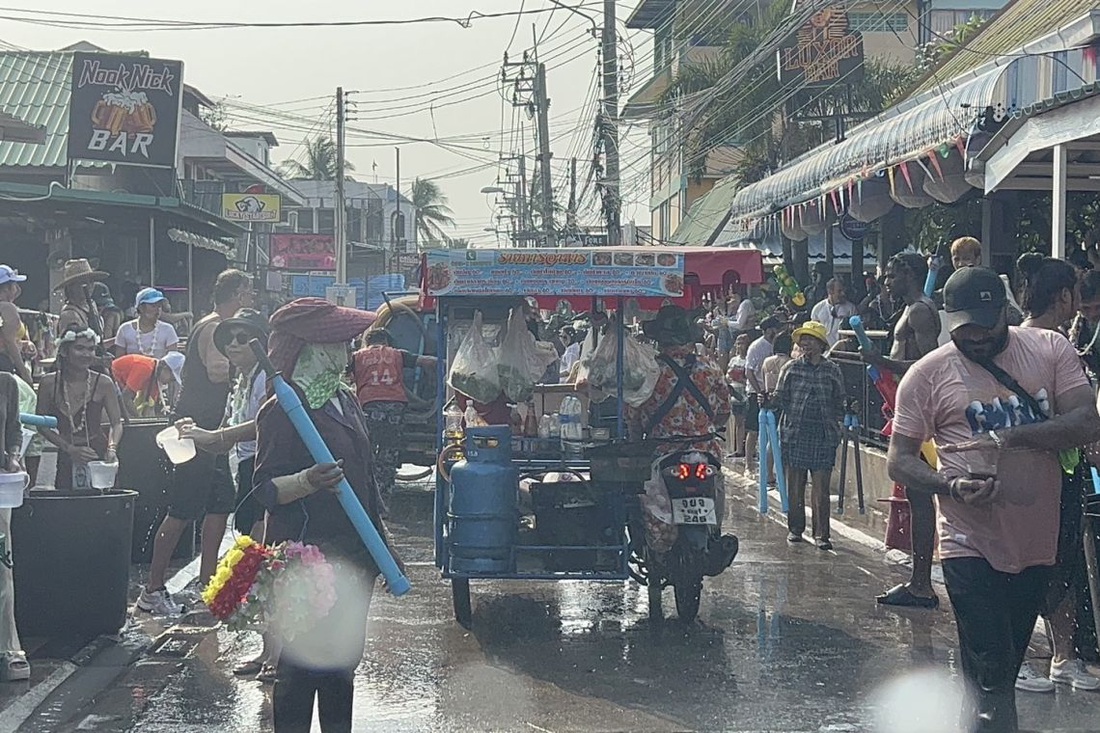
(513,502)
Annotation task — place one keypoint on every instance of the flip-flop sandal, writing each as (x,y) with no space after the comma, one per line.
(268,673)
(249,668)
(901,596)
(15,667)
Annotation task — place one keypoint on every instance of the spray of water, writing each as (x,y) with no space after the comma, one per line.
(926,701)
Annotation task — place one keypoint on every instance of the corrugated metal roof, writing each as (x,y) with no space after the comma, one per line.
(35,88)
(1018,23)
(708,215)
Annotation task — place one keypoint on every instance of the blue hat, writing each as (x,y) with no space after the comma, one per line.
(10,275)
(148,296)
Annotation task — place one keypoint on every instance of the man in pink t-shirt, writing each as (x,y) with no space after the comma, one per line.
(999,481)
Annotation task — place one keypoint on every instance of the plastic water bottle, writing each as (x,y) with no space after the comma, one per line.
(564,416)
(572,433)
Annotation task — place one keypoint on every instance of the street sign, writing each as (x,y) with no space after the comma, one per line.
(342,295)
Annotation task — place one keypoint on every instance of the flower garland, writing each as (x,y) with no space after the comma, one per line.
(290,585)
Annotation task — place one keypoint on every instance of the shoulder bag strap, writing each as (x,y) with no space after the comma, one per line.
(1009,381)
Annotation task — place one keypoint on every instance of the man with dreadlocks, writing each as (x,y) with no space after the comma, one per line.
(78,396)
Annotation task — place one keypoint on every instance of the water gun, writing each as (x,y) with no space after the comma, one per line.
(37,421)
(788,286)
(288,400)
(934,264)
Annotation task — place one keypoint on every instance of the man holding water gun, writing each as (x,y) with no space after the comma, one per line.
(915,334)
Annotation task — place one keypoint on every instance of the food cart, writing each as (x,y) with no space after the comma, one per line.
(531,510)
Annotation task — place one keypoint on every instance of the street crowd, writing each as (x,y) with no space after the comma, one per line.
(992,430)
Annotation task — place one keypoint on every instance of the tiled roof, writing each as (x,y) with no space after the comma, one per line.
(1018,23)
(34,86)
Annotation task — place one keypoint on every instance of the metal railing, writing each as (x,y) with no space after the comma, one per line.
(860,389)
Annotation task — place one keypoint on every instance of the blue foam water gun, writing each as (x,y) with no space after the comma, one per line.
(292,405)
(1095,480)
(38,421)
(861,333)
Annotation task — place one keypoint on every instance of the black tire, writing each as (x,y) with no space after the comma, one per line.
(687,599)
(460,594)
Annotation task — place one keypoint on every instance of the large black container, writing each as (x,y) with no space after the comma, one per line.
(71,552)
(143,467)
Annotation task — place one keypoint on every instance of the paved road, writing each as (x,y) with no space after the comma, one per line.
(790,640)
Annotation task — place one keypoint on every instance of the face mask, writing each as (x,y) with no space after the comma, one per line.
(320,372)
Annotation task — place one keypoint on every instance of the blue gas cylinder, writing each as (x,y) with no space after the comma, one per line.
(483,508)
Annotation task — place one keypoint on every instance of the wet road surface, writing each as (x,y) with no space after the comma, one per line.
(790,639)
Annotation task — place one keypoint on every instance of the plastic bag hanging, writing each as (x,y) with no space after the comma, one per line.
(523,360)
(474,370)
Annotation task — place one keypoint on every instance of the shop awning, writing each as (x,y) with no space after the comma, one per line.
(708,215)
(902,133)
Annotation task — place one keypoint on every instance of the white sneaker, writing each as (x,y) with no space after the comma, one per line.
(158,603)
(1028,679)
(1073,672)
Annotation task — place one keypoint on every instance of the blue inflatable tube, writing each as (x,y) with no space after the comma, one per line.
(38,421)
(288,400)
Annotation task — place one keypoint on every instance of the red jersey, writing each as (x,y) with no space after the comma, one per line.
(380,374)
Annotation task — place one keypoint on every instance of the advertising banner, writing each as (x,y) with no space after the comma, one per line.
(303,252)
(564,272)
(125,109)
(316,285)
(251,207)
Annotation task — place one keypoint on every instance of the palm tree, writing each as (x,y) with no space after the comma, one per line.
(320,162)
(432,212)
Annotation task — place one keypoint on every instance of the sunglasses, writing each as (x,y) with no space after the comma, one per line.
(240,337)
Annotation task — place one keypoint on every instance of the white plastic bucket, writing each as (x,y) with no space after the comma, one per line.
(102,474)
(12,486)
(179,450)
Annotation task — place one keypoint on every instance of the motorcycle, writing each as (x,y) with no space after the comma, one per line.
(679,543)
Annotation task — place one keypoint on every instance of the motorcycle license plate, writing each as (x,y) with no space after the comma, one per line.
(693,510)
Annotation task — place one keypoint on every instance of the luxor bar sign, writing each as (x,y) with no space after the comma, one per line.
(125,109)
(824,51)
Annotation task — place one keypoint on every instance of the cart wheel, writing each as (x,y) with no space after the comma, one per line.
(460,593)
(656,613)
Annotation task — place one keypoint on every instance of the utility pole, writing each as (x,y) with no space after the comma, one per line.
(571,214)
(542,108)
(340,210)
(398,226)
(524,215)
(528,78)
(609,128)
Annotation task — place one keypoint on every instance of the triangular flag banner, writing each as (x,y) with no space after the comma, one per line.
(905,174)
(924,168)
(836,200)
(934,159)
(859,189)
(890,175)
(961,146)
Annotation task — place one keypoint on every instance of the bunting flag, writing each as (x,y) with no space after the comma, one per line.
(890,175)
(858,183)
(905,174)
(961,147)
(934,159)
(859,189)
(924,168)
(836,200)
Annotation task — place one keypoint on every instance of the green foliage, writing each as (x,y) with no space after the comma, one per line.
(432,212)
(320,164)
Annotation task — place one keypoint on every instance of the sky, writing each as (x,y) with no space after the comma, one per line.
(435,80)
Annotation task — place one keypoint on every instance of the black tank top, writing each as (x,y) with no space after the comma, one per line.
(200,399)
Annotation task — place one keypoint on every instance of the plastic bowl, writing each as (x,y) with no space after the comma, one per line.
(12,486)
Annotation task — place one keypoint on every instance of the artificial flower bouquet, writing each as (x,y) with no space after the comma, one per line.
(290,585)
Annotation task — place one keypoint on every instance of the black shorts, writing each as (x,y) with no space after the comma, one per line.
(752,414)
(201,486)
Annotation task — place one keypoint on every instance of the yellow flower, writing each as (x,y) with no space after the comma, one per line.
(244,542)
(233,557)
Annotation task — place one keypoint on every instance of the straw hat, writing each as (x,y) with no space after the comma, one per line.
(812,328)
(79,271)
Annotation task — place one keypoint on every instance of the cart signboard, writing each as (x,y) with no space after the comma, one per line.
(626,271)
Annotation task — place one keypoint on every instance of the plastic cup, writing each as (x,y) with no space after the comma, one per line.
(179,450)
(28,436)
(102,474)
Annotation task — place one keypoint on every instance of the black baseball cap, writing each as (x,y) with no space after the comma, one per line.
(770,322)
(973,295)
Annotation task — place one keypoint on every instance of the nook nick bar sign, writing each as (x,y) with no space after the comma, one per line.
(125,109)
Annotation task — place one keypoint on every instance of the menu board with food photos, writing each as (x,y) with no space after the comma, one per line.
(626,271)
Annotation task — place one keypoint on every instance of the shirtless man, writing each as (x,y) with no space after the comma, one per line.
(916,334)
